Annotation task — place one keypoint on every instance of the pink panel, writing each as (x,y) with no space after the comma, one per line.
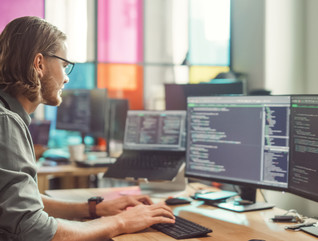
(120,31)
(10,10)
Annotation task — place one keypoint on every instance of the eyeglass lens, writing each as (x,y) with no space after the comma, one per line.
(68,69)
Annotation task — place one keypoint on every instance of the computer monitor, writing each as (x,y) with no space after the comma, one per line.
(241,140)
(83,110)
(176,94)
(303,173)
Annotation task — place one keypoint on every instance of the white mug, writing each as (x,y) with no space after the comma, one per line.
(77,152)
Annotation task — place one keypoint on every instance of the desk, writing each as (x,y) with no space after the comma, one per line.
(71,176)
(226,225)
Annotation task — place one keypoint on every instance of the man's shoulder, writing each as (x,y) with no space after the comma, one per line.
(9,116)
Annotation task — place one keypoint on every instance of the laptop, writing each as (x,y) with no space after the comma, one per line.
(154,146)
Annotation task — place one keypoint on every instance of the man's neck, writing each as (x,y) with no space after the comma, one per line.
(28,106)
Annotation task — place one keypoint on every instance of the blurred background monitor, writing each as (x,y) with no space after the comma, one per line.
(83,110)
(176,94)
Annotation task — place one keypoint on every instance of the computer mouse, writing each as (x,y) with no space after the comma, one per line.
(177,201)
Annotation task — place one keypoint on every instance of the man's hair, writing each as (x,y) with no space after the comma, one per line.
(21,40)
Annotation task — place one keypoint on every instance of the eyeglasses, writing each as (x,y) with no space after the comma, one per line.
(69,67)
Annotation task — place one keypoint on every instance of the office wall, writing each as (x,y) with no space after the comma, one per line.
(276,44)
(311,44)
(248,40)
(285,49)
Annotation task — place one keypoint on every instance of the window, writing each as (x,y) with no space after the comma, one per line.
(133,47)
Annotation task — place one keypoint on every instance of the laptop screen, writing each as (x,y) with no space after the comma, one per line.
(155,130)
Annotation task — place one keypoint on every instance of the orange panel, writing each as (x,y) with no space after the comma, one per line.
(122,81)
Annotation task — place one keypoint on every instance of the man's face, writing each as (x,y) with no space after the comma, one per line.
(54,78)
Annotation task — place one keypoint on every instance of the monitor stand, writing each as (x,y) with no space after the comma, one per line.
(165,189)
(246,203)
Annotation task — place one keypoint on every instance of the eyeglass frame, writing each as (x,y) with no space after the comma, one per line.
(65,60)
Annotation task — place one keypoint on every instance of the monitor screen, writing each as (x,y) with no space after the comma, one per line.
(176,94)
(155,130)
(242,140)
(303,175)
(83,110)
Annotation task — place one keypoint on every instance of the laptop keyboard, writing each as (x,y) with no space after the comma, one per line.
(152,165)
(182,229)
(148,161)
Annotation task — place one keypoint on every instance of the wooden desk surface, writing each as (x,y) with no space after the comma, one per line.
(226,225)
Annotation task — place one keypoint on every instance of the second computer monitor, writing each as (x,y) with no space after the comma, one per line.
(303,175)
(241,140)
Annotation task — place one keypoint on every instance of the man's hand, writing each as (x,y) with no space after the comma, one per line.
(143,216)
(116,206)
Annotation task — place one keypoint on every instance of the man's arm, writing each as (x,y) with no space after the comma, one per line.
(64,209)
(79,210)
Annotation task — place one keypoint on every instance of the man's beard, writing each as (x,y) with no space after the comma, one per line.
(50,93)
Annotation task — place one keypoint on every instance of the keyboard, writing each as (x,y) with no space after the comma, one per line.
(151,165)
(150,161)
(99,162)
(313,230)
(182,229)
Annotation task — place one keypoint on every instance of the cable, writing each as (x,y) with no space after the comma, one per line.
(263,195)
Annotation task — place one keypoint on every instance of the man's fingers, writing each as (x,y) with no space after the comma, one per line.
(144,199)
(162,213)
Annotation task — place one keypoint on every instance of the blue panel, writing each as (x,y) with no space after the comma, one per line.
(82,76)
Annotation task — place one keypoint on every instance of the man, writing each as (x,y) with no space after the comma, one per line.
(33,57)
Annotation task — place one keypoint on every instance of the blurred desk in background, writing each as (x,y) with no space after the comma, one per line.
(70,176)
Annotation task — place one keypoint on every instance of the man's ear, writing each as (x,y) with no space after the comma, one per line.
(38,64)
